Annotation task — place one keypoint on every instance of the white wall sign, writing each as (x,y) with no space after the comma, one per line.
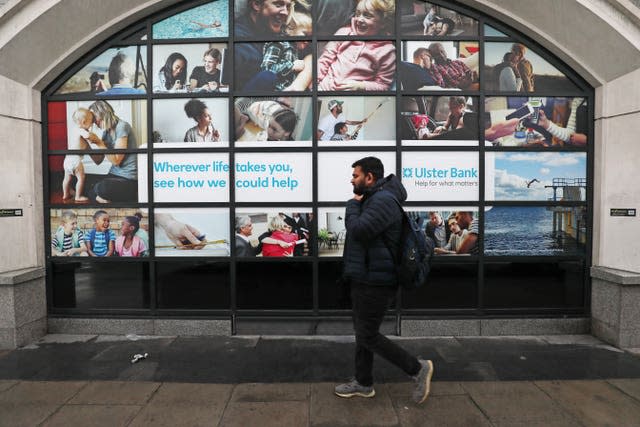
(273,177)
(440,176)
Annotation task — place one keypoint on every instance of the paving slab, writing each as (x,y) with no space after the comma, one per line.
(187,404)
(562,422)
(509,401)
(115,393)
(92,416)
(7,384)
(329,410)
(450,411)
(594,403)
(438,388)
(631,386)
(266,414)
(572,339)
(64,339)
(192,415)
(255,392)
(25,414)
(42,393)
(191,393)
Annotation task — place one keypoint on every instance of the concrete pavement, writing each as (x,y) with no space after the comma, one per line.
(98,386)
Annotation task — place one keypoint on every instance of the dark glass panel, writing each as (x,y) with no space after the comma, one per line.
(86,285)
(534,285)
(274,286)
(193,285)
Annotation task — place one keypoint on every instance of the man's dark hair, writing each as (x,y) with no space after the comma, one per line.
(338,127)
(120,69)
(371,164)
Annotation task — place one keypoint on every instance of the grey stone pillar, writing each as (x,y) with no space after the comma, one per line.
(615,302)
(23,307)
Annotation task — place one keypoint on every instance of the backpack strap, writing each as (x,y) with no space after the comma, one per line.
(385,238)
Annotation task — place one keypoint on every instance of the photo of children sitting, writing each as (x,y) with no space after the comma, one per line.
(450,118)
(90,232)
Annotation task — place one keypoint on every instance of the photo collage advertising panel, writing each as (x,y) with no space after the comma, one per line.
(176,138)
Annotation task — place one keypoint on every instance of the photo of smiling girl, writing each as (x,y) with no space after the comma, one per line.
(361,65)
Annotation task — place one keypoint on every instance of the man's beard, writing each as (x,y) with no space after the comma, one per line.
(359,189)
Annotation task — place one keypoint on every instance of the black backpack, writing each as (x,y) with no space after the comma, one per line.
(413,260)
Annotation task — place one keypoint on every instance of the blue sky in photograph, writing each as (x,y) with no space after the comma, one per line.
(513,171)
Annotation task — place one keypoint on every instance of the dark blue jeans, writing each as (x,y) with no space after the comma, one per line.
(369,307)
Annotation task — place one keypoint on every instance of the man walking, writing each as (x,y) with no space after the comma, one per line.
(374,225)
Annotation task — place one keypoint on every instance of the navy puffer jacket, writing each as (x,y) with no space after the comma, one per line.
(371,223)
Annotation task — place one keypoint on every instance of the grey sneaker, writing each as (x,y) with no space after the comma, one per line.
(354,388)
(423,381)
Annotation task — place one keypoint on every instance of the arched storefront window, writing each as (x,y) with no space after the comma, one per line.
(198,163)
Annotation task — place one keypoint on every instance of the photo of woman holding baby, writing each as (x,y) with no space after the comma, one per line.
(121,183)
